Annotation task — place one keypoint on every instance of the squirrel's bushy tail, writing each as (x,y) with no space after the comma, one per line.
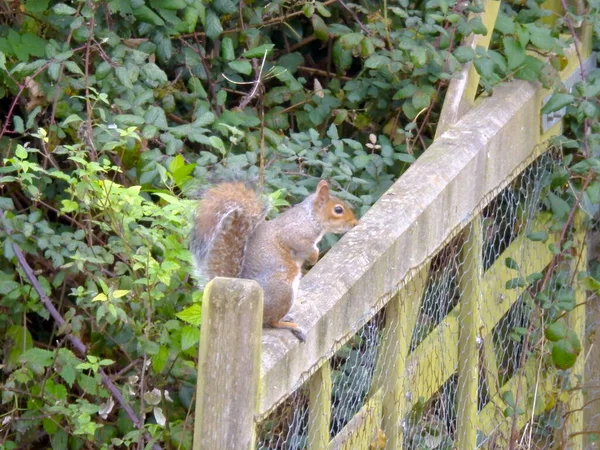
(225,218)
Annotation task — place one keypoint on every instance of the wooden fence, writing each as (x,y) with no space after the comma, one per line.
(382,269)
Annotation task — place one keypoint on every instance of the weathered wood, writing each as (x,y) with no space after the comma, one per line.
(468,351)
(482,153)
(460,96)
(532,256)
(319,412)
(390,373)
(227,387)
(575,419)
(493,424)
(363,428)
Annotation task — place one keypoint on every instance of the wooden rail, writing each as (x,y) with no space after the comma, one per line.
(483,149)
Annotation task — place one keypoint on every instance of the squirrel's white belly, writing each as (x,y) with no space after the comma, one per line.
(296,284)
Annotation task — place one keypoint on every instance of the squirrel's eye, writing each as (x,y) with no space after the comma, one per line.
(338,209)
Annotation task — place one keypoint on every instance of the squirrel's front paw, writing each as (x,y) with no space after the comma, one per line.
(299,334)
(294,328)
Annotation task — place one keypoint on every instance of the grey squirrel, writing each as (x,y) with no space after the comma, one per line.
(231,238)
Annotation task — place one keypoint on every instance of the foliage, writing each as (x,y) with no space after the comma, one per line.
(116,111)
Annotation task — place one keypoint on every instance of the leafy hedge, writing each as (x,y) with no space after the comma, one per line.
(117,111)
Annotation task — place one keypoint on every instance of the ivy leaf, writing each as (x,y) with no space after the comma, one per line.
(227,51)
(190,336)
(511,264)
(258,52)
(342,58)
(564,354)
(159,361)
(505,24)
(557,102)
(351,40)
(532,67)
(242,66)
(213,25)
(191,314)
(515,53)
(320,28)
(145,14)
(421,99)
(538,236)
(560,208)
(377,61)
(464,54)
(225,6)
(63,10)
(540,37)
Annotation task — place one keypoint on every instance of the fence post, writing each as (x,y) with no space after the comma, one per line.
(468,351)
(228,365)
(319,413)
(575,419)
(391,372)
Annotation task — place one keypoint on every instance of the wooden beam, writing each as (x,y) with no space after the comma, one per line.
(227,386)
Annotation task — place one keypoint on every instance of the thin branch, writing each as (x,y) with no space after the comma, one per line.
(354,16)
(257,83)
(266,23)
(75,341)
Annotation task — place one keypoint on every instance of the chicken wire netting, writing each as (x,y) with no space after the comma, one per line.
(414,368)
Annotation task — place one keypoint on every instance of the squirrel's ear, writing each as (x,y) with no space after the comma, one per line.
(322,190)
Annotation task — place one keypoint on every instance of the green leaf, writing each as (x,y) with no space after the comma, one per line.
(320,28)
(2,61)
(593,192)
(191,314)
(342,58)
(36,6)
(213,25)
(377,61)
(63,10)
(421,99)
(555,331)
(464,54)
(508,398)
(511,263)
(405,92)
(515,283)
(504,24)
(21,152)
(322,9)
(241,66)
(227,51)
(564,354)
(538,236)
(530,70)
(225,6)
(159,361)
(190,336)
(540,37)
(145,14)
(557,101)
(258,52)
(515,53)
(351,40)
(560,208)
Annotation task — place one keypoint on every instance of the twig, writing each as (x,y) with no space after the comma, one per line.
(354,16)
(257,83)
(266,23)
(324,73)
(75,342)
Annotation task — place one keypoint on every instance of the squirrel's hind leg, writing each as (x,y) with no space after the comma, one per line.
(293,327)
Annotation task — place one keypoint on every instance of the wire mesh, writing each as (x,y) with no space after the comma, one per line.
(451,361)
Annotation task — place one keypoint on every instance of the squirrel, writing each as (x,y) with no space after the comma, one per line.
(231,238)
